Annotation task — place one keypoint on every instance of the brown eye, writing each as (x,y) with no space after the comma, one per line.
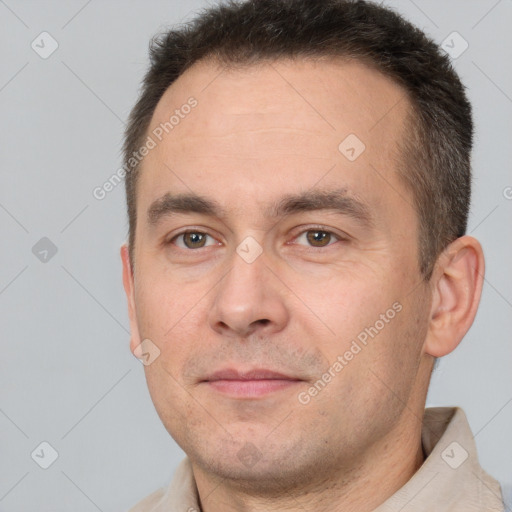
(318,238)
(193,240)
(190,240)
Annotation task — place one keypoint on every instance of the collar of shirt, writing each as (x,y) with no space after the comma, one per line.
(449,480)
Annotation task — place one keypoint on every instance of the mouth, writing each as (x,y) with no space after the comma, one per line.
(250,384)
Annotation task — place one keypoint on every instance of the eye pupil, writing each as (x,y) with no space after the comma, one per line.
(318,236)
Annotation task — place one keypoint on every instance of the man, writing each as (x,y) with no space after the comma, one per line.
(298,187)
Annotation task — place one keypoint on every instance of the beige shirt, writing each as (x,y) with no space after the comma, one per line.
(449,480)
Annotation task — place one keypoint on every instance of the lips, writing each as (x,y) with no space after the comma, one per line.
(257,374)
(249,384)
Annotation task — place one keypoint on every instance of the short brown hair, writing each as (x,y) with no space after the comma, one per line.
(435,163)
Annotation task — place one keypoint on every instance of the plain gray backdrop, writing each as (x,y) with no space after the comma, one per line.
(67,376)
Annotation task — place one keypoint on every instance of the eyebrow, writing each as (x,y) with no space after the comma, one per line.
(338,200)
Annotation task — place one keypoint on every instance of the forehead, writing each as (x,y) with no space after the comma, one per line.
(327,96)
(271,126)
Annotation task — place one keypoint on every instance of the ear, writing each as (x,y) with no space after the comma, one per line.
(128,283)
(456,285)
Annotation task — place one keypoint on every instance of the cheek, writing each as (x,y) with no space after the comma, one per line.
(371,321)
(344,301)
(169,316)
(379,365)
(393,354)
(170,397)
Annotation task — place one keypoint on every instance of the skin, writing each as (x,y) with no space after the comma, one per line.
(258,133)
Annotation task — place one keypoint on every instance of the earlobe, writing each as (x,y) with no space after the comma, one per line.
(456,287)
(128,283)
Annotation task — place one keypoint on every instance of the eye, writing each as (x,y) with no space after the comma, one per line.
(191,240)
(317,237)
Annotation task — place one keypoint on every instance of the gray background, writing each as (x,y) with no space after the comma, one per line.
(66,373)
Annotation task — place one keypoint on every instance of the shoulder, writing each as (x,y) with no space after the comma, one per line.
(149,503)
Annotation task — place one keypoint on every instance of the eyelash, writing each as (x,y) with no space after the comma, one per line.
(322,229)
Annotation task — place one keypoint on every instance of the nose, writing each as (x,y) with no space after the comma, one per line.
(250,297)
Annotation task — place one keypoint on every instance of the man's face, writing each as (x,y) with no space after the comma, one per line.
(292,293)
